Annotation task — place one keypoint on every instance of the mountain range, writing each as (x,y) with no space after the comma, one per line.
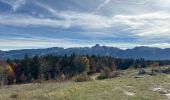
(149,53)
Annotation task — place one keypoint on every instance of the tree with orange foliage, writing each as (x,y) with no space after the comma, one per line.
(85,64)
(10,74)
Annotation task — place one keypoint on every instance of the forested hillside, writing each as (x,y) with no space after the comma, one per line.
(66,67)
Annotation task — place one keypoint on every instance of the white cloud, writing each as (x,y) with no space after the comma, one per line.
(84,20)
(161,3)
(143,20)
(103,4)
(53,11)
(40,42)
(143,25)
(147,25)
(15,3)
(69,19)
(162,45)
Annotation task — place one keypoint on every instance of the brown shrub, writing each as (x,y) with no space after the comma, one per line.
(14,96)
(82,78)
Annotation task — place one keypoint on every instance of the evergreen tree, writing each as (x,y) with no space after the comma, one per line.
(35,67)
(26,67)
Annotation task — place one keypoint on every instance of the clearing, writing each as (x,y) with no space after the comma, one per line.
(120,88)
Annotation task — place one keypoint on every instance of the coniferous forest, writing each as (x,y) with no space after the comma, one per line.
(63,68)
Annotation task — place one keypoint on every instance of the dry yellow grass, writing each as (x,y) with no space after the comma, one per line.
(121,88)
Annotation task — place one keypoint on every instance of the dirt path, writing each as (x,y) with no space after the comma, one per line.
(94,76)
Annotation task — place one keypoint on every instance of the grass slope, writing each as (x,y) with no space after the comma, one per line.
(121,88)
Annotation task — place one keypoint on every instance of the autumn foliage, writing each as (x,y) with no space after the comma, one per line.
(6,73)
(50,67)
(10,74)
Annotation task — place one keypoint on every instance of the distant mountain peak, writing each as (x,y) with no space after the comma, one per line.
(97,46)
(145,47)
(151,53)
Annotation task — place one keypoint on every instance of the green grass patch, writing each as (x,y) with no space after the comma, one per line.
(120,88)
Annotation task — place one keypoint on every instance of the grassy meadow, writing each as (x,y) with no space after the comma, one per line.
(120,88)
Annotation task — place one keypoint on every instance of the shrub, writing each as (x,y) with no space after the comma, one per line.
(62,77)
(107,73)
(82,78)
(14,96)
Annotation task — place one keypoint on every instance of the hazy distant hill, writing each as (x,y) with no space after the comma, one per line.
(137,52)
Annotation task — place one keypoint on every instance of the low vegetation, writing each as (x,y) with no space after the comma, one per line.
(84,78)
(126,87)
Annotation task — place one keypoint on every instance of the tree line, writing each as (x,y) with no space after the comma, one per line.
(52,67)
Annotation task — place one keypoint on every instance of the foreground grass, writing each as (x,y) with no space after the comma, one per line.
(121,88)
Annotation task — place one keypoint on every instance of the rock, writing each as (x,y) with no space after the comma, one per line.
(168,96)
(160,90)
(141,72)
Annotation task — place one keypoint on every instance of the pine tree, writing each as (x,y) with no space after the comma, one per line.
(35,67)
(26,67)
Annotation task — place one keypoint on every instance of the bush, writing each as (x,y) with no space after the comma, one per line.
(166,70)
(108,74)
(61,78)
(82,78)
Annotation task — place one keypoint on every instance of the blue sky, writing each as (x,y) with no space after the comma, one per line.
(78,23)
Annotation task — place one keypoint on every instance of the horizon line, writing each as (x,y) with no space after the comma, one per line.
(85,47)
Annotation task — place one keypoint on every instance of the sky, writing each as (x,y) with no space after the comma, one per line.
(26,24)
